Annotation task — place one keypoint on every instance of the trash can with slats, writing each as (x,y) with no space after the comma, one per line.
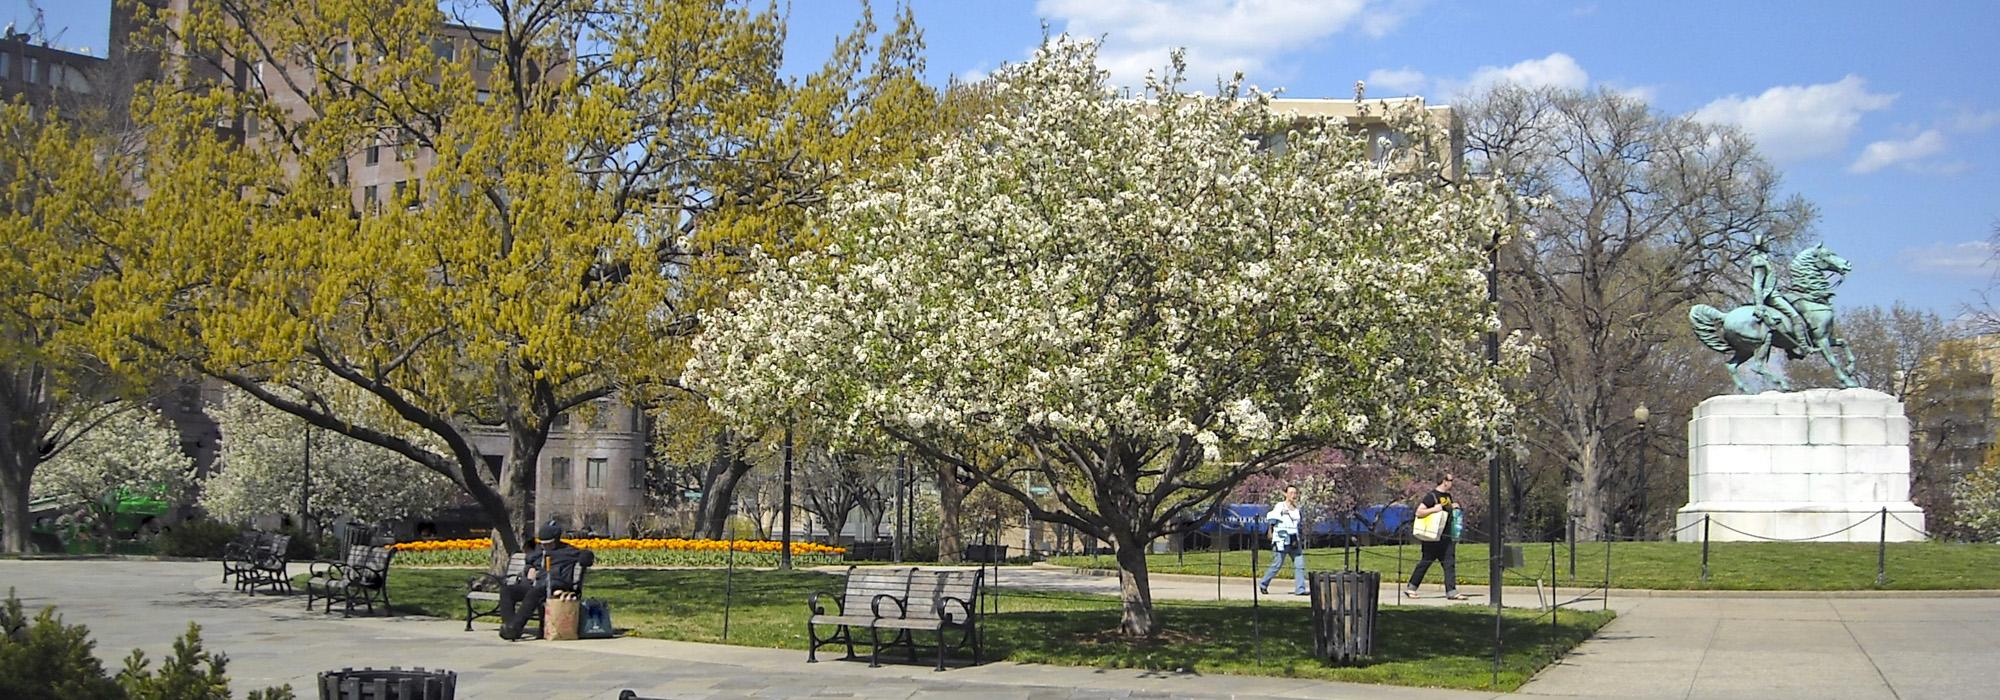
(1344,604)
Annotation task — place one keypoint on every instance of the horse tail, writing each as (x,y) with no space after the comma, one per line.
(1707,322)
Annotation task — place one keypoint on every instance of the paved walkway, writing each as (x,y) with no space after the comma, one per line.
(1660,647)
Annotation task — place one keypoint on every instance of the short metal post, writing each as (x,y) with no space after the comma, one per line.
(1607,573)
(1572,546)
(1882,552)
(1704,548)
(1256,622)
(1403,585)
(729,581)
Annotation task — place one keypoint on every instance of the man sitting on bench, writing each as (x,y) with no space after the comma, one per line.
(521,597)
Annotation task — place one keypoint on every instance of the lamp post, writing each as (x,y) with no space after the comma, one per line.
(305,488)
(785,515)
(1645,440)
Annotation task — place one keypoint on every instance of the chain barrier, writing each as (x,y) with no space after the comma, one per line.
(1927,535)
(1857,523)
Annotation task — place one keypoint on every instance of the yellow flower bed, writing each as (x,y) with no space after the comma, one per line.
(627,552)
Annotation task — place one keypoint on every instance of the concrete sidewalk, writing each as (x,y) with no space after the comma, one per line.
(1659,647)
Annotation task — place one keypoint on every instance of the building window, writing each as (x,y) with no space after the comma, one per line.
(374,155)
(34,70)
(482,97)
(370,196)
(486,59)
(638,475)
(444,49)
(400,184)
(559,473)
(593,472)
(7,67)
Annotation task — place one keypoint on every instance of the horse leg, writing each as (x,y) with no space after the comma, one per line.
(1842,372)
(1735,365)
(1763,367)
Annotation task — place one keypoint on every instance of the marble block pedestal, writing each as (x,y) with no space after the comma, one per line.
(1800,465)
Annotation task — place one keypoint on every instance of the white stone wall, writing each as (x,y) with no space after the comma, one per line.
(1800,465)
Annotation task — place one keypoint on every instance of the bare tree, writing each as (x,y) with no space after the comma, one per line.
(1631,214)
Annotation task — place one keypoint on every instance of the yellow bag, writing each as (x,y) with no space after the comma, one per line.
(1430,527)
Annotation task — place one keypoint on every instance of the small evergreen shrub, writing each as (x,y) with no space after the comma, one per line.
(47,659)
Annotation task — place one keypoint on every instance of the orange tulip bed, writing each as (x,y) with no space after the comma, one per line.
(623,552)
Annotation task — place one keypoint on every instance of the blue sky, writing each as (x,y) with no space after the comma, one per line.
(1884,115)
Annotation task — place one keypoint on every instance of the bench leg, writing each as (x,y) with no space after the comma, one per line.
(875,647)
(812,644)
(940,641)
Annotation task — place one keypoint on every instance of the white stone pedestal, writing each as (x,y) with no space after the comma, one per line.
(1800,465)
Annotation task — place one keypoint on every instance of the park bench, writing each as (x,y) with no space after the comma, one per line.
(237,554)
(867,591)
(482,592)
(940,603)
(264,565)
(362,575)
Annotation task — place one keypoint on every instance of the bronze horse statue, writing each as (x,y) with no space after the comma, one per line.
(1800,322)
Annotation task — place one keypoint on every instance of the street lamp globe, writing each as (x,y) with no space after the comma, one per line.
(1641,414)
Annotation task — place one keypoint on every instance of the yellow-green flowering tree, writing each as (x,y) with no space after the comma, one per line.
(61,202)
(589,167)
(1140,302)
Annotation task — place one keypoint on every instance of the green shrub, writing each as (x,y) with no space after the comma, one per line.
(48,659)
(44,658)
(196,538)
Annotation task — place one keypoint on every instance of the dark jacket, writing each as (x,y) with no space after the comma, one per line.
(563,558)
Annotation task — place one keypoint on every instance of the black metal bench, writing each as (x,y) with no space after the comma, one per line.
(237,554)
(482,592)
(360,576)
(264,565)
(939,602)
(859,606)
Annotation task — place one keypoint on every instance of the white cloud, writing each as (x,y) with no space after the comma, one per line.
(1906,152)
(1554,70)
(1968,258)
(1796,122)
(1404,81)
(1221,37)
(1975,122)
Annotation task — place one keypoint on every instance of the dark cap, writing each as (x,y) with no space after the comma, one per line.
(548,532)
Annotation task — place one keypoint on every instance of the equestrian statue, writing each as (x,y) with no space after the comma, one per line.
(1797,320)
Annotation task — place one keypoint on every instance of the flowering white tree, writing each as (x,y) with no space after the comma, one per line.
(134,449)
(1143,303)
(261,469)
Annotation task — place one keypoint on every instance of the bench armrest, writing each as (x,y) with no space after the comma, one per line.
(947,617)
(483,582)
(875,605)
(321,568)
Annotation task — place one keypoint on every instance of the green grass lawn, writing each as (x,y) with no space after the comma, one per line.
(1741,566)
(1442,647)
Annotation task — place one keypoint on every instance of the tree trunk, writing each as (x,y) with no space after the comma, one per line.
(1586,493)
(1134,589)
(951,501)
(718,488)
(14,505)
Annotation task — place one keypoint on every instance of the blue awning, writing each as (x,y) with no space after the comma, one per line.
(1248,518)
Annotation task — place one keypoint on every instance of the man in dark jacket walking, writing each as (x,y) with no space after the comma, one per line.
(554,565)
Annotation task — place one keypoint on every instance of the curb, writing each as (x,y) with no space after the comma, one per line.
(1629,592)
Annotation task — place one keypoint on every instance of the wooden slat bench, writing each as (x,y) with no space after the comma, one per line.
(360,576)
(939,602)
(265,565)
(869,594)
(482,592)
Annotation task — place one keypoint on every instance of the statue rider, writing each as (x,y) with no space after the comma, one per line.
(1766,297)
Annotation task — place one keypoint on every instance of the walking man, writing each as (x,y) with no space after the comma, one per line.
(1445,549)
(1284,519)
